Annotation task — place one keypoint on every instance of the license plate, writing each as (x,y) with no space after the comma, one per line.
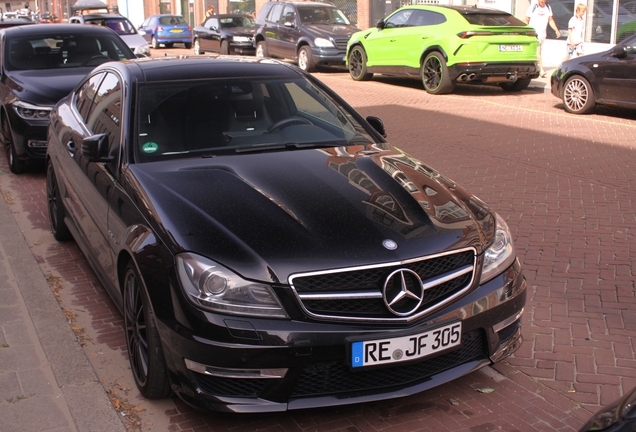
(507,48)
(176,31)
(405,348)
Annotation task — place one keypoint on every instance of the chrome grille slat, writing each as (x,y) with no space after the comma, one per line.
(355,294)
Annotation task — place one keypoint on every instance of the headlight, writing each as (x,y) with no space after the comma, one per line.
(215,288)
(143,50)
(241,39)
(323,43)
(31,112)
(501,254)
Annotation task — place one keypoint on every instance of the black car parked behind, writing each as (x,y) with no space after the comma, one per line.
(40,65)
(225,34)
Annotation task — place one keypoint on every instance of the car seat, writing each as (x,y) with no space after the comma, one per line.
(22,56)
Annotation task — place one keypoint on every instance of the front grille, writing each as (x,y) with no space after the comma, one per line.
(341,43)
(336,377)
(219,386)
(357,294)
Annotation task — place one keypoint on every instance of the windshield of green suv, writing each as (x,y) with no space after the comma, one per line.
(233,116)
(321,15)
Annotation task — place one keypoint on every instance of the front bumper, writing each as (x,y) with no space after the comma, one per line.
(29,136)
(494,72)
(328,56)
(258,365)
(245,48)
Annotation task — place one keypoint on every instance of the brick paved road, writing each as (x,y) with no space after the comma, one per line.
(566,185)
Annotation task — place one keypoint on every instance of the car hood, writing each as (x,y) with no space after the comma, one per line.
(269,215)
(45,87)
(133,40)
(239,31)
(327,31)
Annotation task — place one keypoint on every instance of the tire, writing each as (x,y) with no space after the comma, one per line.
(16,165)
(169,45)
(306,59)
(153,43)
(261,50)
(225,47)
(578,96)
(197,47)
(435,76)
(358,64)
(520,84)
(188,45)
(56,207)
(145,353)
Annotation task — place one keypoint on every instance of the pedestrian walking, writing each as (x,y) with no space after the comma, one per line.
(576,28)
(539,15)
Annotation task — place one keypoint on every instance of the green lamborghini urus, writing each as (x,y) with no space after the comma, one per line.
(446,45)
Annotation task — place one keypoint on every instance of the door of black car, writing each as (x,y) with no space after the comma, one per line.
(288,32)
(210,40)
(272,36)
(617,77)
(89,184)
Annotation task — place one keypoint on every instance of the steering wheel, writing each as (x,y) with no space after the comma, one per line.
(288,122)
(96,57)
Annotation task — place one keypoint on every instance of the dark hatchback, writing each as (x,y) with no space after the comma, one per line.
(268,248)
(225,34)
(606,78)
(40,65)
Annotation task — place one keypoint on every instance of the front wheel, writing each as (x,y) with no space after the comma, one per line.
(261,50)
(306,59)
(578,96)
(56,208)
(435,76)
(358,64)
(142,339)
(17,166)
(225,47)
(520,84)
(197,47)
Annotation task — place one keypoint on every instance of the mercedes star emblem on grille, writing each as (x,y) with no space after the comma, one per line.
(403,292)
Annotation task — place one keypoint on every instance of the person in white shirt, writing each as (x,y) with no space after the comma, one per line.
(576,28)
(539,15)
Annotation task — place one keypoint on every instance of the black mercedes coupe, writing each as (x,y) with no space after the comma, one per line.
(268,248)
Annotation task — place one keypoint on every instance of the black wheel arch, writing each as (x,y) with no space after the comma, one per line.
(433,48)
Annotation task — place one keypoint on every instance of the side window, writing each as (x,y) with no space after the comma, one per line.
(275,13)
(289,15)
(86,93)
(214,22)
(426,18)
(398,19)
(105,117)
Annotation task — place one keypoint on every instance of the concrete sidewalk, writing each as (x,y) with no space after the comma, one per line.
(46,381)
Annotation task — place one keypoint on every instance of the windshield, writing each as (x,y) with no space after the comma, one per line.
(121,26)
(64,51)
(231,22)
(321,15)
(234,116)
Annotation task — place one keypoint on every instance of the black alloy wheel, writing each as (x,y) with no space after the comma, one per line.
(142,339)
(435,76)
(358,64)
(16,165)
(56,207)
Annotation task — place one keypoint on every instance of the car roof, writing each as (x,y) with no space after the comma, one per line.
(192,67)
(460,9)
(307,3)
(54,28)
(98,15)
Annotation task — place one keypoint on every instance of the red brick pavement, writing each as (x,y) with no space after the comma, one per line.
(565,185)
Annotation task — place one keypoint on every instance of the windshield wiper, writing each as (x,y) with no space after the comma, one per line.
(287,146)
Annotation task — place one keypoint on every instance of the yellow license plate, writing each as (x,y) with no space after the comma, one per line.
(176,31)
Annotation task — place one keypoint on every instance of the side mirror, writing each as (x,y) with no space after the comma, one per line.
(95,148)
(289,24)
(213,28)
(619,51)
(377,124)
(380,24)
(141,32)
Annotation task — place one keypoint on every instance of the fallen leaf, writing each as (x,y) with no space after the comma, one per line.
(485,390)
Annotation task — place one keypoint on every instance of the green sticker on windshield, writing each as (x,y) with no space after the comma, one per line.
(150,147)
